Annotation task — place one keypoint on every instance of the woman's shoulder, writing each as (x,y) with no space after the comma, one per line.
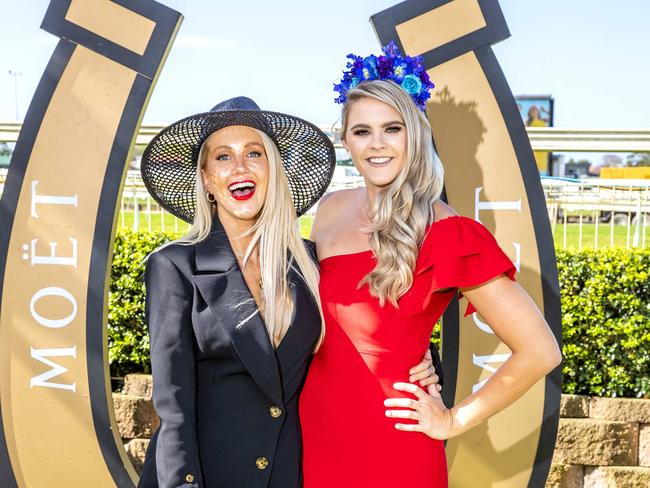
(178,255)
(332,201)
(333,205)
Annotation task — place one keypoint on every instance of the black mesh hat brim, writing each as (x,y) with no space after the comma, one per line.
(169,162)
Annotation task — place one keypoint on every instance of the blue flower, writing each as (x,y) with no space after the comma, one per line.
(391,50)
(406,71)
(399,71)
(369,69)
(411,84)
(385,67)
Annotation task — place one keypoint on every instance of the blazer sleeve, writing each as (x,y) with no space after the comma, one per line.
(168,313)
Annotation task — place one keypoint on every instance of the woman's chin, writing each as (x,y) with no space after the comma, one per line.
(380,176)
(244,211)
(380,181)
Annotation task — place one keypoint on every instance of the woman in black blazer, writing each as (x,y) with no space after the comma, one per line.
(227,367)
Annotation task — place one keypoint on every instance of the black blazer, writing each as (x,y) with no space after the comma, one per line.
(227,401)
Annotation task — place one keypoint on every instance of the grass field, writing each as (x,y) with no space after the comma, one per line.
(572,230)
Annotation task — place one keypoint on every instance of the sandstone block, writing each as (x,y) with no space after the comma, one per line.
(620,409)
(574,406)
(644,445)
(136,449)
(616,477)
(136,417)
(138,385)
(597,442)
(565,476)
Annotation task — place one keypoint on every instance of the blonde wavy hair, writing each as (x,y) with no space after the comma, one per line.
(275,235)
(404,209)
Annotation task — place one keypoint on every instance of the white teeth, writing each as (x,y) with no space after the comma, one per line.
(242,185)
(378,160)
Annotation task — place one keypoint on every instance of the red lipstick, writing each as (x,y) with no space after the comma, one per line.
(242,190)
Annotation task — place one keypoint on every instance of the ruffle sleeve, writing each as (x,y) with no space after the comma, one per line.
(459,252)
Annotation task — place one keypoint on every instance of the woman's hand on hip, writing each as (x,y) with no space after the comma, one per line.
(430,414)
(425,374)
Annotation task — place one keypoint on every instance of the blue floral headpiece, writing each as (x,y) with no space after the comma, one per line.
(406,71)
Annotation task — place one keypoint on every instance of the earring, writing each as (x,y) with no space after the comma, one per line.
(208,195)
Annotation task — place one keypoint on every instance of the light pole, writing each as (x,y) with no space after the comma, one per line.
(16,74)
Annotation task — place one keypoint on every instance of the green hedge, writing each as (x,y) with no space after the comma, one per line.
(605,302)
(128,341)
(606,321)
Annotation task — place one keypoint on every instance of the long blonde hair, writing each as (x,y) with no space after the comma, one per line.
(404,209)
(275,234)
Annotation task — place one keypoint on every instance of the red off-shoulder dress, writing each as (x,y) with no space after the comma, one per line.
(347,439)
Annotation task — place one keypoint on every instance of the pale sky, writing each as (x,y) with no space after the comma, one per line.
(591,55)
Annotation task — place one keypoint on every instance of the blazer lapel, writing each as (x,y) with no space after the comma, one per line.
(252,343)
(222,285)
(214,264)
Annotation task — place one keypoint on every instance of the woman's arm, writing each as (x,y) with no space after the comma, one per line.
(168,314)
(516,320)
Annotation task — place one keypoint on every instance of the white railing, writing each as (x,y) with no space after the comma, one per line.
(583,213)
(598,212)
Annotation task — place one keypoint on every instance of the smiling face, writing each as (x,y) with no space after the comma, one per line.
(236,172)
(375,135)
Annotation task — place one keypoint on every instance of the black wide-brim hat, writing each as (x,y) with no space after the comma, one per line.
(169,162)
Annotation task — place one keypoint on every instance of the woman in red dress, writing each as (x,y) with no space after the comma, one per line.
(392,256)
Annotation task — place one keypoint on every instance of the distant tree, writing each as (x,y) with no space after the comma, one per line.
(579,161)
(638,159)
(4,149)
(610,160)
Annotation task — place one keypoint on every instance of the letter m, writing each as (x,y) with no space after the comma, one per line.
(43,380)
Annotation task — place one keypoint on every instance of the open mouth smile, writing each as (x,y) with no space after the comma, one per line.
(242,190)
(379,160)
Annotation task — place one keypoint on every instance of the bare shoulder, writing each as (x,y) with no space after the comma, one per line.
(442,211)
(339,196)
(334,202)
(330,208)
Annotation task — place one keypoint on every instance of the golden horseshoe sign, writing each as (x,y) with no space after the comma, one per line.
(57,219)
(490,175)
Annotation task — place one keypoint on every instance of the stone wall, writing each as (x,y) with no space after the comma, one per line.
(601,442)
(136,417)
